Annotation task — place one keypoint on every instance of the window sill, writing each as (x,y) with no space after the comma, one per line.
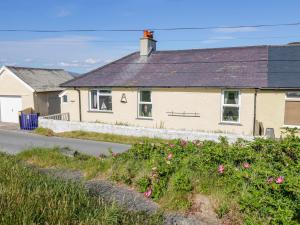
(144,118)
(95,111)
(230,123)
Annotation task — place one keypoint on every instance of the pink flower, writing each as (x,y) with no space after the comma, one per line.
(172,145)
(270,180)
(183,143)
(170,156)
(221,169)
(246,165)
(114,154)
(148,193)
(279,180)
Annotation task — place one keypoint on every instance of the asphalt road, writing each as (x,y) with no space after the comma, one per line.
(14,142)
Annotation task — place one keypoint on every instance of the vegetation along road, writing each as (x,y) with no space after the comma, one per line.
(15,141)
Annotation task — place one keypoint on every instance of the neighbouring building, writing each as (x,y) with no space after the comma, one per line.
(239,90)
(35,88)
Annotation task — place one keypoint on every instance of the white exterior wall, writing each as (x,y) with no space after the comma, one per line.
(204,101)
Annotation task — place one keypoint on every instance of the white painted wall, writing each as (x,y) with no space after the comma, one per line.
(63,126)
(204,101)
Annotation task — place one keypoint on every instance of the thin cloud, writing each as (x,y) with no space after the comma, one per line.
(77,53)
(91,61)
(86,63)
(63,13)
(28,60)
(214,40)
(235,30)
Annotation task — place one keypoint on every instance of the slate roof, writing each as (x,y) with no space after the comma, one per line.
(242,67)
(42,80)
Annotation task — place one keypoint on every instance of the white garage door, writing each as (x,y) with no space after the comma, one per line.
(9,109)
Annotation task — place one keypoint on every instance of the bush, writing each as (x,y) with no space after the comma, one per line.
(143,183)
(244,172)
(181,182)
(259,178)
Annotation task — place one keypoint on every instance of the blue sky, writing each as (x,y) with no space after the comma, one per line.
(81,52)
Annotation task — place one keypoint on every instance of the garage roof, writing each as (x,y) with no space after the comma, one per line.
(40,79)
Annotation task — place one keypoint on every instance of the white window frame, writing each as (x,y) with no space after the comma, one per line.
(99,94)
(147,103)
(295,99)
(287,99)
(230,105)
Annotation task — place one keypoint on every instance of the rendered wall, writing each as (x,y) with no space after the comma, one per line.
(270,110)
(11,86)
(204,101)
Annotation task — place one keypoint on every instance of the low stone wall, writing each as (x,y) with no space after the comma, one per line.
(63,126)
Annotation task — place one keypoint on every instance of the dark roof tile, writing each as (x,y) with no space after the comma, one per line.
(219,67)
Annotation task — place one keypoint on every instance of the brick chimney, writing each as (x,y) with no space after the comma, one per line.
(147,43)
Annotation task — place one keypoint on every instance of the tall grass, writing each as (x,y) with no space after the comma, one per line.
(28,197)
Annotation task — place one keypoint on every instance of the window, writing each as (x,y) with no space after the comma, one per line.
(65,98)
(100,100)
(231,106)
(292,109)
(145,104)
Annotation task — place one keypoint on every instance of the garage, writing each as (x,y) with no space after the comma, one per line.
(9,108)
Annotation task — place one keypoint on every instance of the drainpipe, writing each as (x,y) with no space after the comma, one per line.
(254,117)
(79,103)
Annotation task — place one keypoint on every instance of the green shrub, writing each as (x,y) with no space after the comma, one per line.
(181,182)
(143,183)
(247,178)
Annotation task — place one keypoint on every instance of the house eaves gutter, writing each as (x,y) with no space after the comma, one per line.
(280,88)
(120,86)
(222,87)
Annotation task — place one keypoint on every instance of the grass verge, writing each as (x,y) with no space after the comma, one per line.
(254,182)
(28,197)
(94,136)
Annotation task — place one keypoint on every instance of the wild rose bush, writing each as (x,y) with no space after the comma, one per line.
(262,177)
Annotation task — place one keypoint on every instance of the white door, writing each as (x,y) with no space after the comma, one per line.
(9,109)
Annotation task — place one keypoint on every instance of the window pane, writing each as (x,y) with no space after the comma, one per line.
(293,94)
(145,96)
(231,97)
(145,110)
(105,91)
(105,103)
(94,104)
(65,98)
(292,113)
(230,114)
